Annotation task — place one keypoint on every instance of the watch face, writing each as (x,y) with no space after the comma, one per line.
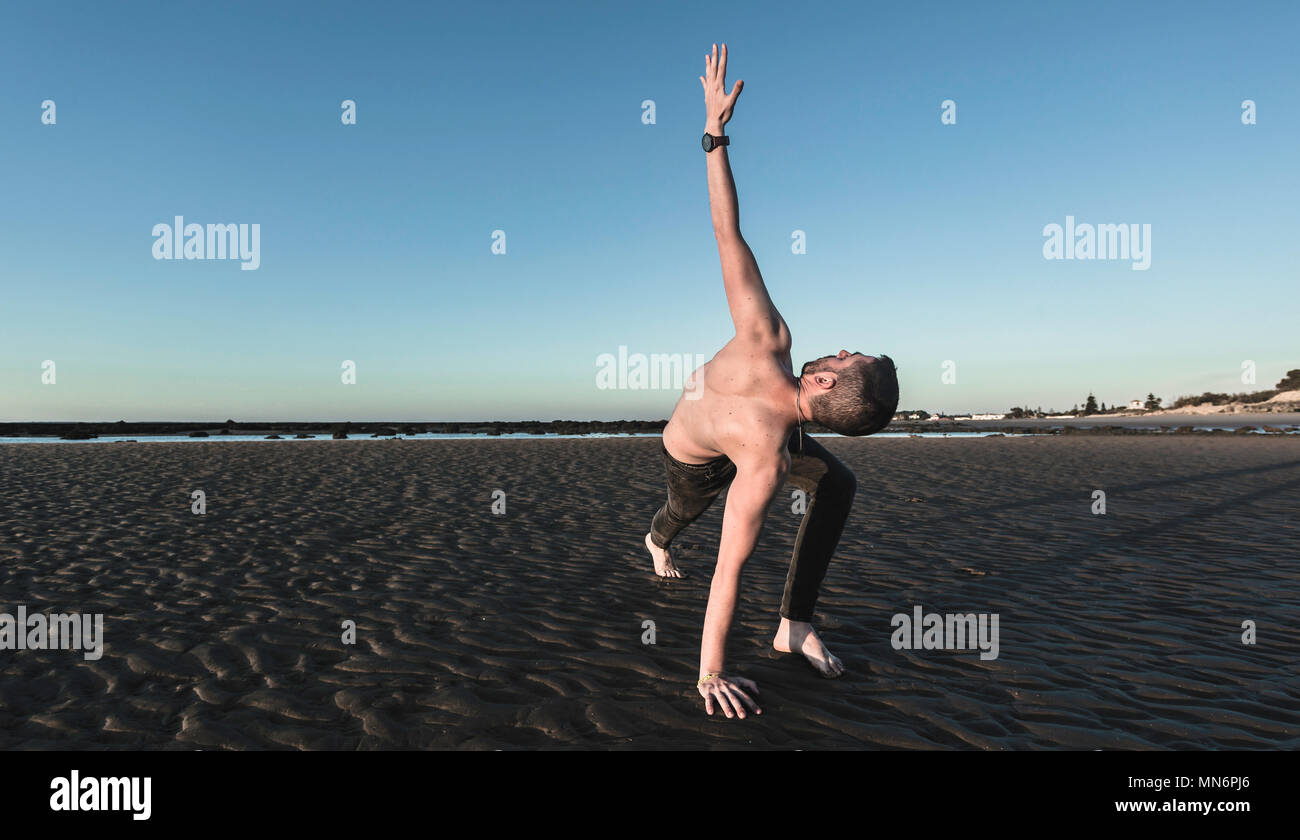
(707,142)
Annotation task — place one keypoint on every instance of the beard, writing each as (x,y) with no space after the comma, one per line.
(815,365)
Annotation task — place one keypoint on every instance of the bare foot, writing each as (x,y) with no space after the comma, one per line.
(663,562)
(800,636)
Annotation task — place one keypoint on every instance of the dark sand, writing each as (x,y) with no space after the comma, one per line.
(479,631)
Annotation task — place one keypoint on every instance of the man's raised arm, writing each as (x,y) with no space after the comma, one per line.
(751,308)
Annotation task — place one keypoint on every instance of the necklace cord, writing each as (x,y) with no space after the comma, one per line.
(799,410)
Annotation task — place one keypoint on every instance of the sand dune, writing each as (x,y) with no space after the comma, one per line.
(480,631)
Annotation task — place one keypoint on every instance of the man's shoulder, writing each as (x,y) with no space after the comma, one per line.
(755,360)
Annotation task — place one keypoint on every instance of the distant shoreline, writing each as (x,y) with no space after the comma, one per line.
(1164,423)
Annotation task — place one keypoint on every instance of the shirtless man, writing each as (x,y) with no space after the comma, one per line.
(740,424)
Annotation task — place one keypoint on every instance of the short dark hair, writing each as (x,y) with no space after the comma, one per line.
(863,400)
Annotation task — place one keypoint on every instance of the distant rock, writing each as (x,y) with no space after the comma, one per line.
(198,434)
(272,437)
(339,434)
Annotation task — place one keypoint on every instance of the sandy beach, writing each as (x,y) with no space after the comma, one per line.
(525,630)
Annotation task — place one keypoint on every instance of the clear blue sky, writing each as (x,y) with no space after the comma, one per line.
(924,241)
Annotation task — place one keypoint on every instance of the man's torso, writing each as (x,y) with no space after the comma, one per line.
(733,404)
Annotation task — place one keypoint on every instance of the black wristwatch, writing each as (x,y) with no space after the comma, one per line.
(713,141)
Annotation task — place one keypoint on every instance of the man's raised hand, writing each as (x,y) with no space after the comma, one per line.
(718,104)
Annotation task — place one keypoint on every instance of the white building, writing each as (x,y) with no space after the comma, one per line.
(988,416)
(1135,405)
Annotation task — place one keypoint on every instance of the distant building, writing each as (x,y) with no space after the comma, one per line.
(1135,405)
(988,416)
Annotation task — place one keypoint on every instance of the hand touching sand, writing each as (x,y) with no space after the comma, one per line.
(730,693)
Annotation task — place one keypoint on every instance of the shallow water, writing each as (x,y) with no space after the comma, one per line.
(513,436)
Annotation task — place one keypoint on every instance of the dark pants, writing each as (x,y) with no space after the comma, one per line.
(827,482)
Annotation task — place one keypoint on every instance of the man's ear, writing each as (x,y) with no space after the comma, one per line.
(824,380)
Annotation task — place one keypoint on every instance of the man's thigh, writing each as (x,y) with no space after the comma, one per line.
(812,464)
(693,487)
